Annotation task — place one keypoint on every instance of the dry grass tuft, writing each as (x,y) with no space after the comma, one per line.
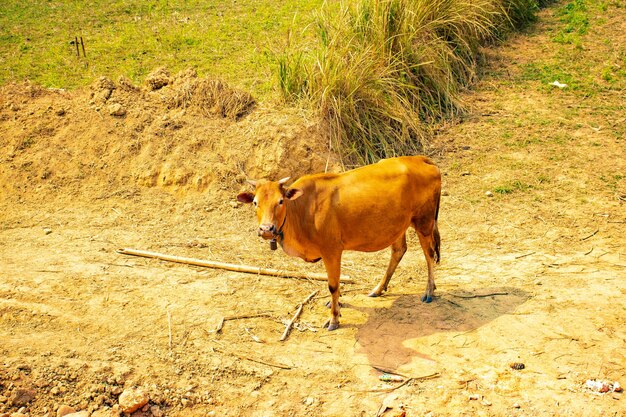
(383,71)
(211,96)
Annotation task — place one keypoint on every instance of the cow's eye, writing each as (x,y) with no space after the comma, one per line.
(255,203)
(280,202)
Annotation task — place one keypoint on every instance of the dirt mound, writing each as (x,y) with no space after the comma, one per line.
(180,132)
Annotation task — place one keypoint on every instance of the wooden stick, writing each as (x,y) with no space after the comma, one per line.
(169,327)
(418,378)
(591,235)
(241,356)
(479,295)
(295,316)
(83,45)
(76,43)
(240,316)
(230,267)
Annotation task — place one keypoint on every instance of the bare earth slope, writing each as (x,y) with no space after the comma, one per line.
(533,274)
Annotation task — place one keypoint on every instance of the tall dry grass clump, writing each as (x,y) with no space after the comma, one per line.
(382,71)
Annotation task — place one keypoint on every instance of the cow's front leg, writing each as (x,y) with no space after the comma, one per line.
(333,269)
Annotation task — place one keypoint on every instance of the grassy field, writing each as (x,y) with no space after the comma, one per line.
(233,40)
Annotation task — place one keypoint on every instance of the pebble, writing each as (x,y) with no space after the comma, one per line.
(64,410)
(516,405)
(116,109)
(133,399)
(47,230)
(489,194)
(83,413)
(156,411)
(22,397)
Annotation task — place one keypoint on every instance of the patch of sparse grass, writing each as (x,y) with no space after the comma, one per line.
(576,18)
(512,187)
(228,40)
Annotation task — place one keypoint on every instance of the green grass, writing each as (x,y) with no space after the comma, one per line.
(512,187)
(232,40)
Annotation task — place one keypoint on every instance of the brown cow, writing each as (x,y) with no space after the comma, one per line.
(366,209)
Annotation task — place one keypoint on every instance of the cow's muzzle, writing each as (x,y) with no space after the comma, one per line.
(267,231)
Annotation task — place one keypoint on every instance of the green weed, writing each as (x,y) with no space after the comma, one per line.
(576,19)
(512,187)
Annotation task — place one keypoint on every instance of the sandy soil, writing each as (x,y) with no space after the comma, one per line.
(532,275)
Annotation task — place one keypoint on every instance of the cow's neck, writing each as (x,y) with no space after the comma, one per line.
(292,237)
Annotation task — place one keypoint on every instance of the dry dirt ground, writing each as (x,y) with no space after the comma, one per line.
(533,274)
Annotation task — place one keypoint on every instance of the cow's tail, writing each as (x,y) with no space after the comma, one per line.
(436,235)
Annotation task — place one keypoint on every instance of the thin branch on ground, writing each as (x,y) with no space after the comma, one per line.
(295,316)
(220,325)
(479,295)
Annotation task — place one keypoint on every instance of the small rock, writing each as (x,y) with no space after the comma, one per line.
(133,399)
(516,405)
(47,230)
(235,204)
(517,366)
(486,403)
(309,401)
(116,109)
(64,410)
(60,112)
(156,411)
(445,193)
(158,79)
(21,397)
(83,413)
(489,194)
(473,397)
(465,173)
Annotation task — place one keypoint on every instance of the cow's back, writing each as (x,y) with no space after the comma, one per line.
(369,208)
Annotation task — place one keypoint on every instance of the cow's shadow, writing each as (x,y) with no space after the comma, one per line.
(382,338)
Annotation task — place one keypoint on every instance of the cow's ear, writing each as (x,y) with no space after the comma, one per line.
(293,193)
(245,198)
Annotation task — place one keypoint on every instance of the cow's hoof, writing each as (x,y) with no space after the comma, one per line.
(374,294)
(427,298)
(333,326)
(328,304)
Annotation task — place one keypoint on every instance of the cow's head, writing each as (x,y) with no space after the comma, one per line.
(269,199)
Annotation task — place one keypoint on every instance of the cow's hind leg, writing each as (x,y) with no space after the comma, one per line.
(398,249)
(430,246)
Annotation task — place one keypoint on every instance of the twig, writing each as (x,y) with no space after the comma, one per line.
(591,235)
(76,43)
(525,255)
(479,295)
(229,267)
(295,316)
(240,316)
(387,371)
(419,378)
(83,45)
(241,356)
(169,327)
